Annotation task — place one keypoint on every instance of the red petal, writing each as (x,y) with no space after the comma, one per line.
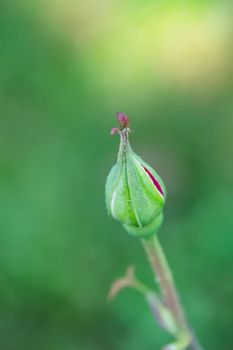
(155,182)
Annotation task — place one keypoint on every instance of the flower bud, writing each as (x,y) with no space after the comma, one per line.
(135,194)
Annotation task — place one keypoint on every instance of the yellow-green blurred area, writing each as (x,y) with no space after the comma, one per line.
(66,67)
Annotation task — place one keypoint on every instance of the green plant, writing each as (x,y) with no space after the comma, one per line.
(135,196)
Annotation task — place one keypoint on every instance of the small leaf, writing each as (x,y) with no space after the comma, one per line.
(121,283)
(162,313)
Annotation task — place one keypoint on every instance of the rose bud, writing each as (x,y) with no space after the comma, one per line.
(135,194)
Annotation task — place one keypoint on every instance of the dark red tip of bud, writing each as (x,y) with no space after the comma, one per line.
(155,182)
(123,120)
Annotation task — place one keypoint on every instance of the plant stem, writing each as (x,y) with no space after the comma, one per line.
(167,287)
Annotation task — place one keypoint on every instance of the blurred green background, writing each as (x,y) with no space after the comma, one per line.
(66,67)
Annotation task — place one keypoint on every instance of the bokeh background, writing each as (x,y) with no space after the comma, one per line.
(66,67)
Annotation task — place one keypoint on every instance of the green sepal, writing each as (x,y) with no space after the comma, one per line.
(146,231)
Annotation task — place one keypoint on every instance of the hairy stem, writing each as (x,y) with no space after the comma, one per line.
(168,290)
